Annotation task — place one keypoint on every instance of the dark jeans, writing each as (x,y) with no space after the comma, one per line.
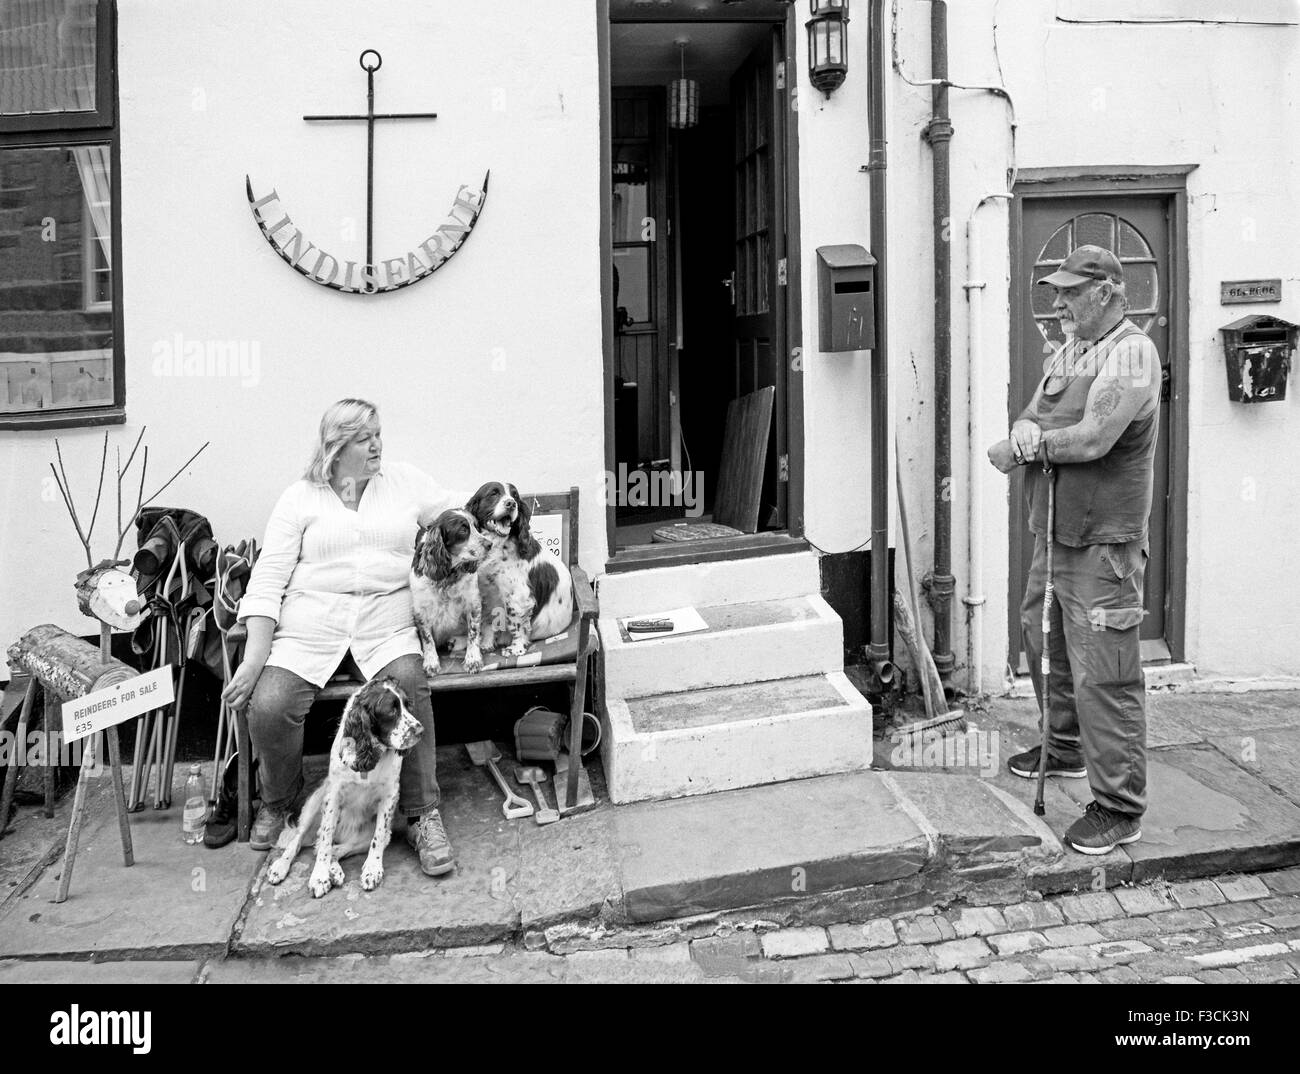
(1096,689)
(278,709)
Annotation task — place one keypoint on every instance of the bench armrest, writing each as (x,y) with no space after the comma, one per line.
(583,593)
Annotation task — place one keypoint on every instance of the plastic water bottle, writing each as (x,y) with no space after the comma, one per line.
(196,806)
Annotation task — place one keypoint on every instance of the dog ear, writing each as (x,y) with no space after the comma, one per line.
(475,506)
(420,561)
(528,546)
(439,553)
(357,726)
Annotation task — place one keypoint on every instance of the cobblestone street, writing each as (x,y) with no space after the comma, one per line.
(1232,929)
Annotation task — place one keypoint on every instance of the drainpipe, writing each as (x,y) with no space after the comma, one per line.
(939,133)
(878,648)
(974,599)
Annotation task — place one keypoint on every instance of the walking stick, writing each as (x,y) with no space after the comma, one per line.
(1045,663)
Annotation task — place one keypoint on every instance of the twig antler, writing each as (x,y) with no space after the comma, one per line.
(65,489)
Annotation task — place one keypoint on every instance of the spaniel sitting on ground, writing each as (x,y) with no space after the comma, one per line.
(445,588)
(355,805)
(527,591)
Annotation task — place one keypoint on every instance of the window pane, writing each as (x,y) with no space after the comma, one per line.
(631,190)
(47,56)
(56,315)
(632,265)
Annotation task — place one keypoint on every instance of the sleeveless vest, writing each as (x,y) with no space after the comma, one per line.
(1107,500)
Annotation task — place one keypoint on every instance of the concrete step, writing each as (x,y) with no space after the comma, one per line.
(732,581)
(764,639)
(673,744)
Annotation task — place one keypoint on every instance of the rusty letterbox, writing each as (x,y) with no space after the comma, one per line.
(1257,351)
(846,297)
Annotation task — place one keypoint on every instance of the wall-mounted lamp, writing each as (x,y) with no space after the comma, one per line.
(828,44)
(683,95)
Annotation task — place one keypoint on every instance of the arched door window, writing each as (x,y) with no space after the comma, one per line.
(1114,233)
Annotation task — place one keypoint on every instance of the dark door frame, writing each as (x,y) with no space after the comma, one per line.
(794,316)
(1169,182)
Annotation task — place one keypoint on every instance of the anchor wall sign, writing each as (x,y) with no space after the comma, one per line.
(370,277)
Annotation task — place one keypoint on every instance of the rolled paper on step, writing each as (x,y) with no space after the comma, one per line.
(66,665)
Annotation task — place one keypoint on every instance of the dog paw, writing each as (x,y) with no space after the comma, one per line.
(517,649)
(336,874)
(473,661)
(432,667)
(372,875)
(319,883)
(278,870)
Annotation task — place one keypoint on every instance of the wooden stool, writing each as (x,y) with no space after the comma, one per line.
(49,721)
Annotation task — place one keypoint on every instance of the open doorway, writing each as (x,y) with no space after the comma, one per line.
(701,399)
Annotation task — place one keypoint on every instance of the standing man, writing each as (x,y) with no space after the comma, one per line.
(1094,417)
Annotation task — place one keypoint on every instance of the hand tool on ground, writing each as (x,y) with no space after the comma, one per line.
(1045,665)
(585,799)
(534,777)
(938,718)
(486,754)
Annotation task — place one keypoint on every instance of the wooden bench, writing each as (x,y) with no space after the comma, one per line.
(555,523)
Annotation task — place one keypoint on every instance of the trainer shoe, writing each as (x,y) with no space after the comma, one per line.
(428,837)
(267,827)
(1100,830)
(1026,765)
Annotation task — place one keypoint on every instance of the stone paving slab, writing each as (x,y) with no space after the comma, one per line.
(567,870)
(763,844)
(976,821)
(62,972)
(1273,756)
(1205,816)
(175,902)
(475,904)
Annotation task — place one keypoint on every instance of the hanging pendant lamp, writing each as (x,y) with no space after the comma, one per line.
(683,95)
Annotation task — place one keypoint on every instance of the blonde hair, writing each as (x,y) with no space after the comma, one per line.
(339,424)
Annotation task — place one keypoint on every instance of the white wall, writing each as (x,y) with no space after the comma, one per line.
(1222,98)
(492,368)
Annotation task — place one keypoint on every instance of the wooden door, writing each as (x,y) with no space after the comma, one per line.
(759,292)
(1137,230)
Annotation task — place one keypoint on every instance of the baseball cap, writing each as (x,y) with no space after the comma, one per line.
(1084,264)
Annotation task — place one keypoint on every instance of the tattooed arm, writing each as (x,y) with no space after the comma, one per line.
(1127,386)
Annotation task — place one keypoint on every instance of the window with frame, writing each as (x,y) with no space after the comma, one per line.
(60,232)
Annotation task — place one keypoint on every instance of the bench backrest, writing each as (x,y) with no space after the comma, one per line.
(554,521)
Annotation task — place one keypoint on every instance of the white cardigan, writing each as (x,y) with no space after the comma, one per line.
(334,579)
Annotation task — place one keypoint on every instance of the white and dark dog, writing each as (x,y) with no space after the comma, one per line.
(355,804)
(445,587)
(527,592)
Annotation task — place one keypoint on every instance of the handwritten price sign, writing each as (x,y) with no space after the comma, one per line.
(549,531)
(84,716)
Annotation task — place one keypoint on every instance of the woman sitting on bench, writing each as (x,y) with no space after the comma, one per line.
(332,582)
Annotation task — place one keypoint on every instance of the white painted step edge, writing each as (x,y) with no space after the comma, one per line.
(731,581)
(724,657)
(765,749)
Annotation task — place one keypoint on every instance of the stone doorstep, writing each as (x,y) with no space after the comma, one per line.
(778,730)
(766,639)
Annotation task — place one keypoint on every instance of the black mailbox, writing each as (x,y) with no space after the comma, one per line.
(1257,351)
(846,283)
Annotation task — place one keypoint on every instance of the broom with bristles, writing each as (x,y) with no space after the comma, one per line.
(907,621)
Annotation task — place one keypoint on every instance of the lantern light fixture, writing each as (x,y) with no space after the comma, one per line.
(683,94)
(828,44)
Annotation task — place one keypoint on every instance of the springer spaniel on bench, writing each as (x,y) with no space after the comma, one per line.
(527,591)
(355,804)
(445,588)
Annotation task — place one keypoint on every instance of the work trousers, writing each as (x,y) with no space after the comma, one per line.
(1096,691)
(278,709)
